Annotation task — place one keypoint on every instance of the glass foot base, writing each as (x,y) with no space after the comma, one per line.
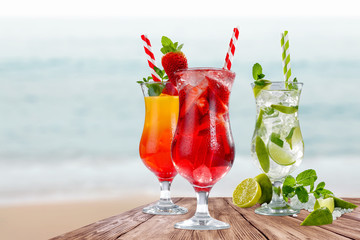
(276,211)
(196,223)
(168,210)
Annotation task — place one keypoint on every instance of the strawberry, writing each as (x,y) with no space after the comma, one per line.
(170,89)
(173,59)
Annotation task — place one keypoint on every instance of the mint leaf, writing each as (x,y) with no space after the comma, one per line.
(269,110)
(140,82)
(261,76)
(159,72)
(256,71)
(325,192)
(288,188)
(289,136)
(154,89)
(320,186)
(307,177)
(289,181)
(165,41)
(302,194)
(275,138)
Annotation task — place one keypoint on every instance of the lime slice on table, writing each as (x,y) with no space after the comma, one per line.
(279,155)
(320,216)
(285,109)
(294,137)
(247,193)
(328,202)
(262,154)
(343,204)
(266,188)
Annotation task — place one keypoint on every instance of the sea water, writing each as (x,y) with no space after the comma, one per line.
(71,112)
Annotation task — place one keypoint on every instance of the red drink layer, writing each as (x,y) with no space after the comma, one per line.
(203,147)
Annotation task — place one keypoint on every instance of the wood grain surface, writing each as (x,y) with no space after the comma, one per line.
(245,224)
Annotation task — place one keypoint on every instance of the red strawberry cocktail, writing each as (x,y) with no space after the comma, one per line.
(203,147)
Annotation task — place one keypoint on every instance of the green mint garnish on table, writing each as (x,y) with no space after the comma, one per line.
(307,178)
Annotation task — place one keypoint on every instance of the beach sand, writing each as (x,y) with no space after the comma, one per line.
(43,221)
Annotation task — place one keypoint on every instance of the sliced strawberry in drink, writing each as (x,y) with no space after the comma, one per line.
(189,95)
(170,89)
(219,88)
(218,96)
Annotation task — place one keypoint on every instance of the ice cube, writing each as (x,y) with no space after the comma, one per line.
(202,174)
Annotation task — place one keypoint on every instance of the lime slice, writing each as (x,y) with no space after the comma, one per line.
(262,154)
(266,188)
(279,155)
(343,204)
(257,89)
(294,137)
(285,109)
(320,216)
(247,193)
(328,202)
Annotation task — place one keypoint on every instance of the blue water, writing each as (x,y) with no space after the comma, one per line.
(70,105)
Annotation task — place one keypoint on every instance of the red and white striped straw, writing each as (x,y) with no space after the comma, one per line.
(150,57)
(231,51)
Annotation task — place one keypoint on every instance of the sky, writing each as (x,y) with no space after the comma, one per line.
(184,8)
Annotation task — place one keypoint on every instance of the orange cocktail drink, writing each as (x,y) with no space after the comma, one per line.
(161,114)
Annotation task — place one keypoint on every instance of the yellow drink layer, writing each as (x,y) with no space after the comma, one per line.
(161,115)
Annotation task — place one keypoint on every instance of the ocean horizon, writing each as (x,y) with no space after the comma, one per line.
(72,113)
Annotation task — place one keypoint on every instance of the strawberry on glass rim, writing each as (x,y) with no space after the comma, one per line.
(174,59)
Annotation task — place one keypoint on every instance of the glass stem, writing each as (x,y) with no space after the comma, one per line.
(277,198)
(202,209)
(165,199)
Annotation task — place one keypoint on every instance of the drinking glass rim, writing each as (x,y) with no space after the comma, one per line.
(201,69)
(289,82)
(152,81)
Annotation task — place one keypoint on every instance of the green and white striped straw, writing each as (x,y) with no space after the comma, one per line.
(285,55)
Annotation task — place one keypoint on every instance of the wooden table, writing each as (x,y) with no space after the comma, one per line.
(245,224)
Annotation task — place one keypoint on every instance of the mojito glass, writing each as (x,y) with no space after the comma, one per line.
(277,145)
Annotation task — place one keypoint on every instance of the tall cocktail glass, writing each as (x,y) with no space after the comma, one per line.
(203,147)
(277,145)
(161,114)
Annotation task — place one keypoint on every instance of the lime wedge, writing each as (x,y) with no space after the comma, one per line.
(257,89)
(320,216)
(266,188)
(328,202)
(247,193)
(285,109)
(294,137)
(343,204)
(262,154)
(279,155)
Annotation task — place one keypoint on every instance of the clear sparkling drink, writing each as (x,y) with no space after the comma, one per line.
(277,144)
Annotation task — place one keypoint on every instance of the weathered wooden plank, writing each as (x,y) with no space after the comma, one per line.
(160,227)
(245,224)
(111,227)
(286,227)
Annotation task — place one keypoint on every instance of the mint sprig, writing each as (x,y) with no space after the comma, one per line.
(169,46)
(257,72)
(155,89)
(307,178)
